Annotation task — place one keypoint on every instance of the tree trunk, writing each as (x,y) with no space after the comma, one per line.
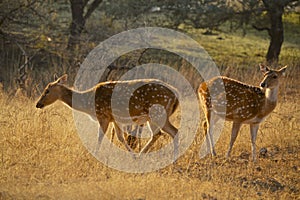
(275,12)
(79,19)
(78,22)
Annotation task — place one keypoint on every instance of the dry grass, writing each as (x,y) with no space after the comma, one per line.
(42,157)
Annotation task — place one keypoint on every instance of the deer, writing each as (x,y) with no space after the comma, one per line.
(148,93)
(134,136)
(245,104)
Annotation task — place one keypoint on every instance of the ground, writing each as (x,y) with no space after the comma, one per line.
(42,157)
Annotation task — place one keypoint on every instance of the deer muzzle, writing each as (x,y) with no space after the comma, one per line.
(39,105)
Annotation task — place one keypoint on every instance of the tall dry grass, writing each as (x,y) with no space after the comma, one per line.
(42,157)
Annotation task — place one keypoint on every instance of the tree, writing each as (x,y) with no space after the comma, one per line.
(208,14)
(265,15)
(169,13)
(15,15)
(275,10)
(22,25)
(79,18)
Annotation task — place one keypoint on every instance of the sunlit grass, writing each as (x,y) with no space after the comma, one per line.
(244,51)
(42,156)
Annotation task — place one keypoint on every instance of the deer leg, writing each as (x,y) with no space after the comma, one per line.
(130,133)
(211,122)
(205,128)
(154,136)
(121,138)
(208,131)
(133,136)
(151,142)
(253,131)
(207,138)
(172,131)
(139,134)
(112,133)
(101,131)
(210,140)
(234,132)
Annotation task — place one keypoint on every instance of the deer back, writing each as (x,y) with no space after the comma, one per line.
(242,102)
(134,97)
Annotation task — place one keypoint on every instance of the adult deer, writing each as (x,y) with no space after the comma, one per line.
(148,93)
(245,104)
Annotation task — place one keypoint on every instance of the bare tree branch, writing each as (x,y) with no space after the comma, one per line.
(21,6)
(92,8)
(85,2)
(261,28)
(10,13)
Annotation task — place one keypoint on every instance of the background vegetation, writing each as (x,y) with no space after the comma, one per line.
(41,155)
(39,37)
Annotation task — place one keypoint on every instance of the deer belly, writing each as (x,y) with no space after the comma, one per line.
(255,120)
(241,114)
(128,120)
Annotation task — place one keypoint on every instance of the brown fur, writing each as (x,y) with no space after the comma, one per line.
(146,93)
(241,103)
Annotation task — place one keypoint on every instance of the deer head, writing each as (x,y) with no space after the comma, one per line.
(271,77)
(52,92)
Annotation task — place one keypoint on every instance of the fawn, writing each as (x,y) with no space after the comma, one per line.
(245,104)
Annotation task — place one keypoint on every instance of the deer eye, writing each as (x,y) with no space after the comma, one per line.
(275,76)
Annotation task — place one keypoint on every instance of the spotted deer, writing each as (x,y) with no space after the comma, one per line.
(245,104)
(148,93)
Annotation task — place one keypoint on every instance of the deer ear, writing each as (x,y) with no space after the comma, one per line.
(263,68)
(55,77)
(282,70)
(63,79)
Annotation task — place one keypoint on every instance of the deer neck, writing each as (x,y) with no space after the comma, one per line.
(271,96)
(81,101)
(66,95)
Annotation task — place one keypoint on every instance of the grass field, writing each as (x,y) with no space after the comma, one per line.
(42,156)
